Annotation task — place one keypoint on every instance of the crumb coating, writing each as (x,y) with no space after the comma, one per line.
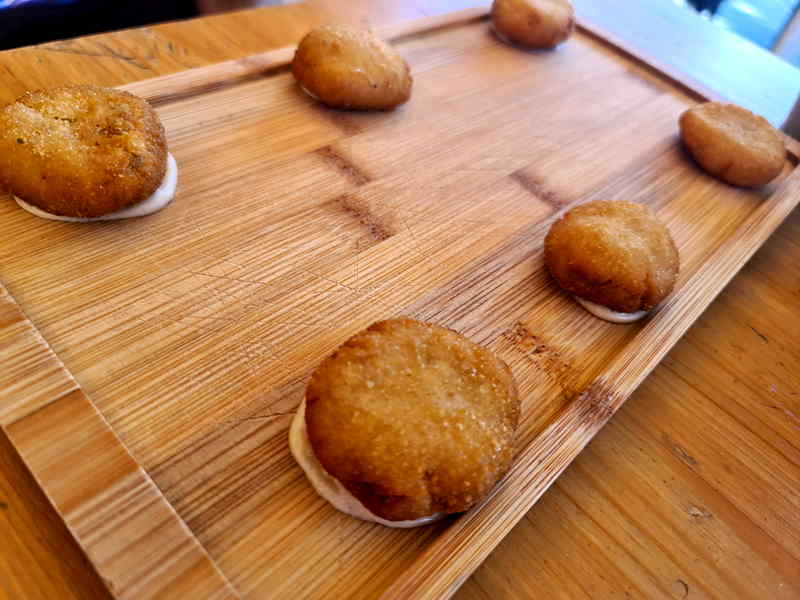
(81,151)
(413,419)
(617,254)
(534,23)
(351,68)
(732,143)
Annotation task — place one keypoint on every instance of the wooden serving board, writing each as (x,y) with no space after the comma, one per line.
(151,381)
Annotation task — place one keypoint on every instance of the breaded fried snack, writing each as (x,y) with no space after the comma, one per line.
(533,23)
(733,144)
(616,258)
(84,153)
(345,67)
(405,423)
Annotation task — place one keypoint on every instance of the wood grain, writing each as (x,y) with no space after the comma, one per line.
(32,376)
(204,79)
(528,178)
(39,558)
(62,439)
(438,573)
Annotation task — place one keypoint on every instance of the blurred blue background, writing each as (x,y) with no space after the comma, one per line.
(764,22)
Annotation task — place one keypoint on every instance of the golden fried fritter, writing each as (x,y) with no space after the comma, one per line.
(533,23)
(413,419)
(732,143)
(351,68)
(81,151)
(617,254)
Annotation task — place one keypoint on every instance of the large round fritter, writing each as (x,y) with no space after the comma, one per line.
(534,23)
(617,254)
(81,151)
(413,419)
(351,68)
(733,144)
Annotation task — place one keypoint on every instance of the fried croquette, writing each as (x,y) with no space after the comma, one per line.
(330,488)
(81,151)
(533,23)
(351,68)
(615,254)
(414,420)
(733,144)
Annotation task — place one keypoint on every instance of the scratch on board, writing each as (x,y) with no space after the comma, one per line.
(104,51)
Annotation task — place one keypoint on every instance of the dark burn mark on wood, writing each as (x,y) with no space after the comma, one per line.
(597,403)
(379,228)
(3,505)
(536,187)
(342,164)
(543,357)
(759,334)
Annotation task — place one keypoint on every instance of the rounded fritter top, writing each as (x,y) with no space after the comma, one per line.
(533,23)
(351,68)
(733,144)
(413,419)
(617,254)
(81,151)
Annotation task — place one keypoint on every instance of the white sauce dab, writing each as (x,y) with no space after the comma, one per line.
(328,486)
(605,313)
(502,37)
(158,200)
(314,96)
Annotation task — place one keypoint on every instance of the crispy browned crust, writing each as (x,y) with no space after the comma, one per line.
(617,254)
(733,144)
(351,68)
(534,23)
(81,151)
(413,419)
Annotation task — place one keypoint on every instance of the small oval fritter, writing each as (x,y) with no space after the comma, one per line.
(533,23)
(617,254)
(733,144)
(81,151)
(351,68)
(413,419)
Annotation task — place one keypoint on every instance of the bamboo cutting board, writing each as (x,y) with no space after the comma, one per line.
(151,391)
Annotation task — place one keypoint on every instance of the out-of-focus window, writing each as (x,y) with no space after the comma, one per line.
(764,22)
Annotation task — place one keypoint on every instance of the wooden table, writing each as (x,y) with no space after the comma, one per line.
(691,491)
